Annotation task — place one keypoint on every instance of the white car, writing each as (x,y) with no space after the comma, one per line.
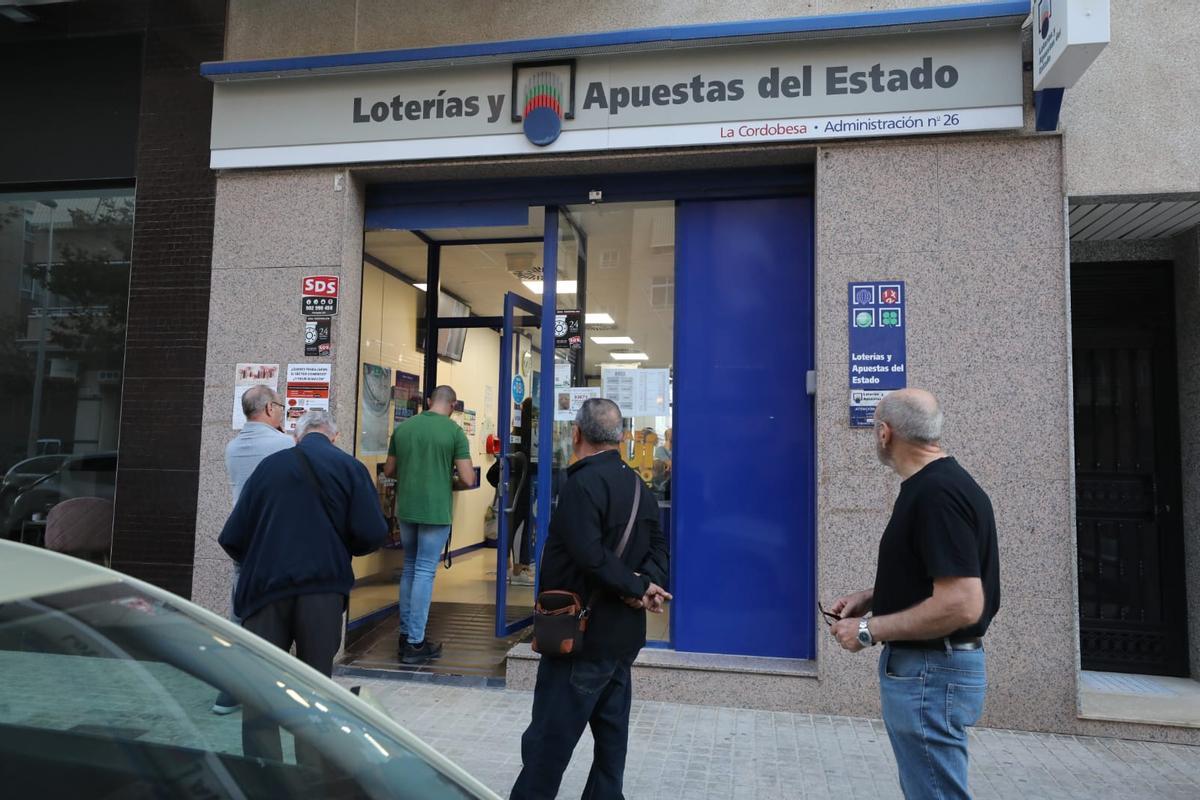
(106,686)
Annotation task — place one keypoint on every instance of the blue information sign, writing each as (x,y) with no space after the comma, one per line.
(877,353)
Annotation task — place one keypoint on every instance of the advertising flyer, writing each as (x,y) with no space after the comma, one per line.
(318,337)
(568,401)
(877,346)
(245,376)
(619,385)
(307,388)
(376,397)
(407,394)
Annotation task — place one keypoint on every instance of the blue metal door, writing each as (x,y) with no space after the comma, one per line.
(743,437)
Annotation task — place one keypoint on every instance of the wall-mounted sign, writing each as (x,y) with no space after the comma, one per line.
(319,296)
(1067,37)
(877,346)
(568,328)
(318,337)
(805,90)
(518,388)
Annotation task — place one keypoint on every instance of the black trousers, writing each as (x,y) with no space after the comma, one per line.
(571,693)
(314,623)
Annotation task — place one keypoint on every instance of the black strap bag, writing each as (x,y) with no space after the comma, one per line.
(559,617)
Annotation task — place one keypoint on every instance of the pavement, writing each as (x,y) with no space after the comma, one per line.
(684,752)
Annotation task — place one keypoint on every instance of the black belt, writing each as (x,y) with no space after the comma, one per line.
(956,643)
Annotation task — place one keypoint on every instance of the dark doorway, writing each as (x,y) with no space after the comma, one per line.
(1127,469)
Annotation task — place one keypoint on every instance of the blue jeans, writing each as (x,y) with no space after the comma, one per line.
(929,698)
(573,693)
(422,550)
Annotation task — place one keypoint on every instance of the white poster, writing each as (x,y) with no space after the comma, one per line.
(650,392)
(245,376)
(562,376)
(307,388)
(618,385)
(568,401)
(376,398)
(639,392)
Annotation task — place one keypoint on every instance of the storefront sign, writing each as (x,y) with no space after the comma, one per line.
(319,296)
(307,388)
(568,328)
(1067,37)
(318,337)
(804,90)
(877,350)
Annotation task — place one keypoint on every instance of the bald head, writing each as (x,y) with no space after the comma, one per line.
(256,402)
(913,415)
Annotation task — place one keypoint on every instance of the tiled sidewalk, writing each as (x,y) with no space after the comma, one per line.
(683,752)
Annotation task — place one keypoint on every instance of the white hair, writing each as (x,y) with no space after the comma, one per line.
(317,420)
(912,417)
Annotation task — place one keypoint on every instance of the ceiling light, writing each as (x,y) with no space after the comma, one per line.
(629,356)
(424,287)
(563,287)
(599,318)
(612,339)
(616,365)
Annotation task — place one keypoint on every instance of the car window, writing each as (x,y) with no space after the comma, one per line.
(107,693)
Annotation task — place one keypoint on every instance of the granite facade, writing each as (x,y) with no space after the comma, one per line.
(271,230)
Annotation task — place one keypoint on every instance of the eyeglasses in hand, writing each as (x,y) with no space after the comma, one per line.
(828,617)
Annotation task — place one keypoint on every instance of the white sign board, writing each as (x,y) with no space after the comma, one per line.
(1067,37)
(805,90)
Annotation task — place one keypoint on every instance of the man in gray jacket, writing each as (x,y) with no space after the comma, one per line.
(261,436)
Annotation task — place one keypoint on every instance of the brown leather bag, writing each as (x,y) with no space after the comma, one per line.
(559,617)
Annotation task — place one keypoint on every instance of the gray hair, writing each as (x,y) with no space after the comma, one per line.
(256,399)
(914,416)
(599,420)
(317,420)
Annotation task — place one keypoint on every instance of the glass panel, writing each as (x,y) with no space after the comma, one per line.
(64,261)
(138,724)
(623,258)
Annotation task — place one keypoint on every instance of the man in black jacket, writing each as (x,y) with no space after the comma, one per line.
(300,517)
(594,687)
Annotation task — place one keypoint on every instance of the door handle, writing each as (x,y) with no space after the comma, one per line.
(513,460)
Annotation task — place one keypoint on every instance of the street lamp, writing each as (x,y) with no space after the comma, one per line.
(35,416)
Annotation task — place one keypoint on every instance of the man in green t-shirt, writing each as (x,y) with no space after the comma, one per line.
(420,458)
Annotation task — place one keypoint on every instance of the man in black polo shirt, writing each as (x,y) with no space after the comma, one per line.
(937,587)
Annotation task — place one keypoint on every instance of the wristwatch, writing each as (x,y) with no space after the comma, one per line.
(864,633)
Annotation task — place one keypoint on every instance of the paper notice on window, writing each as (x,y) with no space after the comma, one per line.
(246,376)
(619,386)
(307,389)
(568,401)
(651,392)
(639,392)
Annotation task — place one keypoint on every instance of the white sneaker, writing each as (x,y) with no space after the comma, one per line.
(522,578)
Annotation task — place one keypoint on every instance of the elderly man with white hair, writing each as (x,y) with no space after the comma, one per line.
(299,519)
(937,588)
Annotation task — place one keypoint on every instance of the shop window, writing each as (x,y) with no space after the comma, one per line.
(64,262)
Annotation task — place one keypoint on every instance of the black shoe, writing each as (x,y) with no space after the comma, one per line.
(403,643)
(419,654)
(226,704)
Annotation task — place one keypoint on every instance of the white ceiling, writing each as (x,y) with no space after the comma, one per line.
(629,244)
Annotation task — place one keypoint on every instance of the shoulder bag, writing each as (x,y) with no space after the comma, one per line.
(559,617)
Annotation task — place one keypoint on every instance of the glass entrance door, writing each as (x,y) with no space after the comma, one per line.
(520,458)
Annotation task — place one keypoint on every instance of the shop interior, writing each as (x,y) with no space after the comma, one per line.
(616,268)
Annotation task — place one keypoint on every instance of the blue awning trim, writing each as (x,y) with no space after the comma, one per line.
(671,35)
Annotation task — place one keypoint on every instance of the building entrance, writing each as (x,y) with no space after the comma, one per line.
(1127,470)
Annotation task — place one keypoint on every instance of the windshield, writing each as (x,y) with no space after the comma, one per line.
(107,693)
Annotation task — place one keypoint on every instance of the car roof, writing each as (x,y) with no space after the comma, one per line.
(31,571)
